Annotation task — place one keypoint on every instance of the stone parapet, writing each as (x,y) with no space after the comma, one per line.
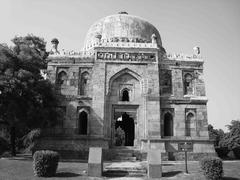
(71,53)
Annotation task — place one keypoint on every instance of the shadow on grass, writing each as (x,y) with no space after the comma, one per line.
(229,178)
(73,160)
(115,173)
(67,174)
(20,158)
(168,164)
(171,173)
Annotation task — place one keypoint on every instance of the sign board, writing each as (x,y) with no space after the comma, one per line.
(123,56)
(185,146)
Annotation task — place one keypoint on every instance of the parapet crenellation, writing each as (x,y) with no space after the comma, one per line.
(183,57)
(89,51)
(122,44)
(71,53)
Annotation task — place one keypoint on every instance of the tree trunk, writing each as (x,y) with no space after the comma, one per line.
(13,138)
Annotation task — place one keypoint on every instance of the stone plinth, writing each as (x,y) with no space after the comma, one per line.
(95,162)
(154,163)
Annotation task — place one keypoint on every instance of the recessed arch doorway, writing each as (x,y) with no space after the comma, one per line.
(124,126)
(124,130)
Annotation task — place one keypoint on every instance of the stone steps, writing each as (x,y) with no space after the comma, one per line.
(129,154)
(123,158)
(121,173)
(123,154)
(128,169)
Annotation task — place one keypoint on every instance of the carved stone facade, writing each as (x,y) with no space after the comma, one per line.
(124,80)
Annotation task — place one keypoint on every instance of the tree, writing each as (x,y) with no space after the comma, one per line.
(215,134)
(232,138)
(27,101)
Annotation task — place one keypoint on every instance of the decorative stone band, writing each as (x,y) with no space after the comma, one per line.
(65,53)
(181,57)
(126,56)
(150,57)
(122,44)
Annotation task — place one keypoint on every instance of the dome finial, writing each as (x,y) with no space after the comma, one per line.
(98,37)
(55,43)
(196,50)
(122,12)
(154,38)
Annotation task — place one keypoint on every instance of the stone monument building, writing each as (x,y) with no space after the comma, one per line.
(123,89)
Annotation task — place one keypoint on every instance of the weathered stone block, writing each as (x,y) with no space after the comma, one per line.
(95,162)
(154,163)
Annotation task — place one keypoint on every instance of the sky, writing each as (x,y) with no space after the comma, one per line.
(213,25)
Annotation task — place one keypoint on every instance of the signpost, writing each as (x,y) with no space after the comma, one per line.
(185,147)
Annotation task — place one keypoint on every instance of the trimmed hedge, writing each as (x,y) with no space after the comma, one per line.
(212,168)
(45,163)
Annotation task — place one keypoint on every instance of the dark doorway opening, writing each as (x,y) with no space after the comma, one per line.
(124,129)
(168,125)
(83,121)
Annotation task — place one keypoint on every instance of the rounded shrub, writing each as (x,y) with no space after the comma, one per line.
(45,163)
(212,168)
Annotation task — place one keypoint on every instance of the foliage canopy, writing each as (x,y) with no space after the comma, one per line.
(27,100)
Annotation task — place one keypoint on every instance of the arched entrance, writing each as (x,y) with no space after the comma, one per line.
(168,124)
(124,130)
(124,97)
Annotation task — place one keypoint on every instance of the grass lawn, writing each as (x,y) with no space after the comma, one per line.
(21,169)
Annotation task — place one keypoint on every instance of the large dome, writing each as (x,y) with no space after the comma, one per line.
(122,27)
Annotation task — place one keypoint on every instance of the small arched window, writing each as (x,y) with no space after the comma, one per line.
(125,95)
(62,78)
(84,84)
(83,123)
(188,85)
(168,124)
(189,121)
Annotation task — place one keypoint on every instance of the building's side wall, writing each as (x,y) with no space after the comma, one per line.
(198,126)
(180,104)
(73,102)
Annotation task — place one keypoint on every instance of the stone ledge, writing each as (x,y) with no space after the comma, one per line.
(176,140)
(74,137)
